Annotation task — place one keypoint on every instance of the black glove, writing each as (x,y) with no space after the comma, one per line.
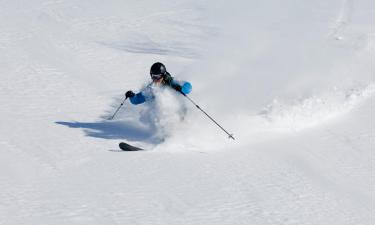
(178,88)
(129,94)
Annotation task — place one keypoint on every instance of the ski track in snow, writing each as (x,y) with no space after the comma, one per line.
(302,159)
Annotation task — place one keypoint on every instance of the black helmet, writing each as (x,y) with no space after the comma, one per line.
(157,70)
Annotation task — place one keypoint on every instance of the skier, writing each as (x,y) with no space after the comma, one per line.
(160,78)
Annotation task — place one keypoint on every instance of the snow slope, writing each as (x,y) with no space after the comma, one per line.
(293,80)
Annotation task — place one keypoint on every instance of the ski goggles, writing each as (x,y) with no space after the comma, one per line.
(156,76)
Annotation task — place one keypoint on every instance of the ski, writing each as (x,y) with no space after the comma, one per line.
(126,147)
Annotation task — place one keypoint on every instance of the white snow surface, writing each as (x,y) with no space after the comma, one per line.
(294,81)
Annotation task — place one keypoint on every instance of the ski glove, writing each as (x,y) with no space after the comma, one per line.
(178,88)
(129,94)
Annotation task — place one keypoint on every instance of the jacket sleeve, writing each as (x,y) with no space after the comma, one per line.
(138,99)
(181,86)
(146,94)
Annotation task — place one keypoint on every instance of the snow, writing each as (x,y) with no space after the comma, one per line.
(292,80)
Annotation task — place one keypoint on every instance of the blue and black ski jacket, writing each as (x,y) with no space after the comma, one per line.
(147,94)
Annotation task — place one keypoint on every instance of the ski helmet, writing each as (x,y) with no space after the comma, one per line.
(157,70)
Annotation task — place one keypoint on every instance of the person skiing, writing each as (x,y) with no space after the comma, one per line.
(160,78)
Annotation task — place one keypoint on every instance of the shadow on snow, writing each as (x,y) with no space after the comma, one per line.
(114,130)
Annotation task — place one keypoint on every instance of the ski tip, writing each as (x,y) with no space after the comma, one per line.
(126,147)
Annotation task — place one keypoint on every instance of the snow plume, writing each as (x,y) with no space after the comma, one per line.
(169,112)
(314,110)
(157,119)
(276,59)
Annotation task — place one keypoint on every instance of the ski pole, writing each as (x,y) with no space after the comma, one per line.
(122,103)
(229,135)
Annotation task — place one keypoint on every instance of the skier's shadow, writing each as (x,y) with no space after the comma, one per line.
(114,130)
